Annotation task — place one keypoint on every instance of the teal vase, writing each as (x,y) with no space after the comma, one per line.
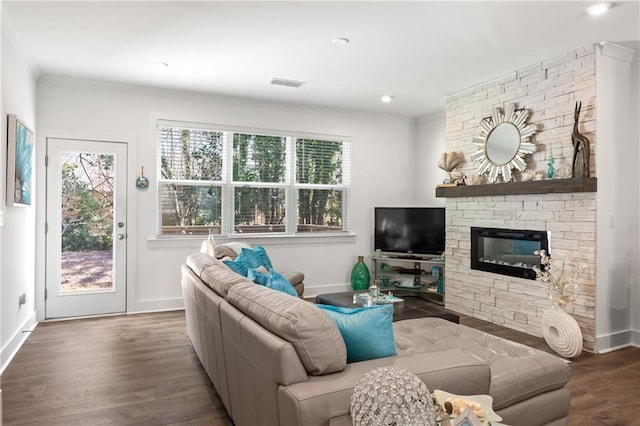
(360,277)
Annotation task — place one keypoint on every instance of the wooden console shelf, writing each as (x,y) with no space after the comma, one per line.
(589,184)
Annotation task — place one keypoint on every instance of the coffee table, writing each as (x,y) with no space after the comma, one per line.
(414,306)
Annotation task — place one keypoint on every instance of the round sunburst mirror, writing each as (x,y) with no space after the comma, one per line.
(503,143)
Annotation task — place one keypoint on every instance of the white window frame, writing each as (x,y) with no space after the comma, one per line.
(290,185)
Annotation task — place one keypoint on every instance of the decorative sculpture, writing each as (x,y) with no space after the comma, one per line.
(551,171)
(449,161)
(392,396)
(581,150)
(560,330)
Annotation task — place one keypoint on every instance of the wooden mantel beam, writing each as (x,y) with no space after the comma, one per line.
(589,184)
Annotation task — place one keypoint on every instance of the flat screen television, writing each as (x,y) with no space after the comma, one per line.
(409,230)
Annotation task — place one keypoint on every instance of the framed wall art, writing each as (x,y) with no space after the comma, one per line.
(19,162)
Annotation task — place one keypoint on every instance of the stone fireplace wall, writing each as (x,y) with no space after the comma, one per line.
(518,303)
(549,90)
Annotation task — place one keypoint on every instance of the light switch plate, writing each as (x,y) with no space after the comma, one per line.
(1,217)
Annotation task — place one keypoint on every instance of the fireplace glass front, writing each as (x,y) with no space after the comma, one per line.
(507,251)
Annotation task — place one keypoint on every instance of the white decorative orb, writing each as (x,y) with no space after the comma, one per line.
(562,332)
(392,396)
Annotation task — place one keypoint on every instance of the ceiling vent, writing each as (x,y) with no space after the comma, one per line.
(285,82)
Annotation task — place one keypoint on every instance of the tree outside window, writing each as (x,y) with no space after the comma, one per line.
(318,165)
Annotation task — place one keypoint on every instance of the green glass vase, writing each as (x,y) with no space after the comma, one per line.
(360,277)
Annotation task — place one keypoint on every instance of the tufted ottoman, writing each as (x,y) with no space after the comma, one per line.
(519,373)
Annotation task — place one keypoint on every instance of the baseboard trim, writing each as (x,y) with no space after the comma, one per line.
(17,340)
(635,338)
(156,305)
(614,341)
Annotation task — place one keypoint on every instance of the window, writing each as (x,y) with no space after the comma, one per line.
(246,182)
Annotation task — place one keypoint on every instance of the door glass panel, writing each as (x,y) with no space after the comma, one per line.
(86,263)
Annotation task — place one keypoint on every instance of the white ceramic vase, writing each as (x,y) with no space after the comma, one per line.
(562,332)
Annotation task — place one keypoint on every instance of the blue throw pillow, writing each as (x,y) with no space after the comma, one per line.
(256,257)
(367,332)
(277,281)
(239,265)
(273,280)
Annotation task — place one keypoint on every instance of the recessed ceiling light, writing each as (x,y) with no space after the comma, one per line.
(340,41)
(386,99)
(599,8)
(160,66)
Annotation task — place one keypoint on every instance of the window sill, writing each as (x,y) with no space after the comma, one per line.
(194,241)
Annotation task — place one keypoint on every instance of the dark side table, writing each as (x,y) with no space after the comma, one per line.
(414,306)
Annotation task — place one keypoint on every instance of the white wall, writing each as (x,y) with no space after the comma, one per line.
(17,236)
(617,203)
(3,154)
(381,148)
(635,288)
(2,205)
(430,144)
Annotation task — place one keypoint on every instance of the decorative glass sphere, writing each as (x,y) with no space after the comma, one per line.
(392,396)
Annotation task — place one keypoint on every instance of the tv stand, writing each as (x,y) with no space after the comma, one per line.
(407,256)
(406,274)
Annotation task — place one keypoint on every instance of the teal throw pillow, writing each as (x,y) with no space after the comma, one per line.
(367,332)
(239,265)
(273,280)
(256,257)
(277,281)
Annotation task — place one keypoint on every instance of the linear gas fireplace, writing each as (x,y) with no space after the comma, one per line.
(507,251)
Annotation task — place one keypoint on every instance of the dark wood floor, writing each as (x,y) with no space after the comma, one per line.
(130,369)
(141,369)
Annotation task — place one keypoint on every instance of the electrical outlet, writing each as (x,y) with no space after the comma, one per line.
(22,299)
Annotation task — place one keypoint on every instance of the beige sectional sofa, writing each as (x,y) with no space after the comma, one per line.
(279,360)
